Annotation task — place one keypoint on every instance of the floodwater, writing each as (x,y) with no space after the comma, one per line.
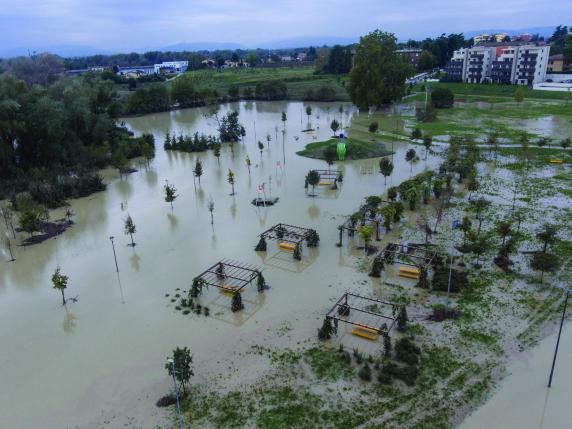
(523,400)
(99,362)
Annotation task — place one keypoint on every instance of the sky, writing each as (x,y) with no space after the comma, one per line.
(123,25)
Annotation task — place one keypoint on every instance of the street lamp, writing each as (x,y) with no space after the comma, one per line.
(568,292)
(114,254)
(172,362)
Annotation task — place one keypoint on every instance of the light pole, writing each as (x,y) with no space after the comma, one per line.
(568,292)
(114,254)
(172,362)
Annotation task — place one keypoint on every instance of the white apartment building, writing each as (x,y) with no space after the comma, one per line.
(519,64)
(172,67)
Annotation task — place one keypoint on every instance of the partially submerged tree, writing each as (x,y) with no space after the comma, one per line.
(402,319)
(182,367)
(373,127)
(216,152)
(230,179)
(385,168)
(170,194)
(211,209)
(261,246)
(198,170)
(335,126)
(60,282)
(366,232)
(313,178)
(330,156)
(326,331)
(376,267)
(427,142)
(410,157)
(129,228)
(416,134)
(547,235)
(248,163)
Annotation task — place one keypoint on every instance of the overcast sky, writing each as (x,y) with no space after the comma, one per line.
(136,24)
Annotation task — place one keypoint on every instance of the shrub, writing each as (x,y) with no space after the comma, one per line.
(407,352)
(442,98)
(365,373)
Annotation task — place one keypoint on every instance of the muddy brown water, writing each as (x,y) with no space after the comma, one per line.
(98,362)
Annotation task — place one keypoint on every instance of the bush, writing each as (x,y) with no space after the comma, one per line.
(407,352)
(459,279)
(442,98)
(271,90)
(365,373)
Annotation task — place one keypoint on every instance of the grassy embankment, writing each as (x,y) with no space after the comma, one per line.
(355,149)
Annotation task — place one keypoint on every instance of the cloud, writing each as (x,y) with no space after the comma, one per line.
(136,24)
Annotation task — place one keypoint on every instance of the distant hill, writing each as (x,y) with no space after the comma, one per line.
(302,42)
(61,50)
(198,46)
(541,31)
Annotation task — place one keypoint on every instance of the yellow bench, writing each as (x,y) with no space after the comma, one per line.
(410,273)
(365,332)
(290,247)
(324,183)
(230,289)
(556,161)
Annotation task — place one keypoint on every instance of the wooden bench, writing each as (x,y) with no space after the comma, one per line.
(290,247)
(365,332)
(409,272)
(555,161)
(230,289)
(324,183)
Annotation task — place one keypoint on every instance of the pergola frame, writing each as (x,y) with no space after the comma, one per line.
(332,175)
(365,221)
(291,233)
(378,320)
(235,274)
(393,253)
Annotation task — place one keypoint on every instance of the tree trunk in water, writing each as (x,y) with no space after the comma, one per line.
(63,298)
(132,243)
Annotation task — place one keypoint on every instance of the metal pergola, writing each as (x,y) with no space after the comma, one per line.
(288,233)
(369,313)
(329,175)
(230,276)
(416,256)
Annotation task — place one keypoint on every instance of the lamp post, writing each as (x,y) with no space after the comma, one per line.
(114,254)
(568,292)
(172,362)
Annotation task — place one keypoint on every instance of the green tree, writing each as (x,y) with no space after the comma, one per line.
(330,156)
(248,163)
(412,195)
(251,59)
(410,156)
(198,171)
(216,152)
(211,210)
(308,112)
(565,143)
(119,161)
(442,98)
(148,152)
(547,235)
(427,142)
(335,126)
(284,118)
(416,134)
(388,212)
(181,366)
(378,73)
(366,232)
(29,220)
(402,319)
(183,91)
(545,263)
(260,148)
(170,194)
(426,61)
(385,168)
(373,127)
(313,179)
(230,179)
(129,228)
(60,282)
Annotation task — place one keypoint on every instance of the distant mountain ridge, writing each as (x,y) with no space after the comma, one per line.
(300,42)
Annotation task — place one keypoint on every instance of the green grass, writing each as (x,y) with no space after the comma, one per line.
(298,80)
(356,149)
(498,91)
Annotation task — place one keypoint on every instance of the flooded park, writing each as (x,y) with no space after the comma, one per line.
(99,360)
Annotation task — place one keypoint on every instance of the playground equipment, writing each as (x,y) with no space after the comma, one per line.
(409,272)
(290,247)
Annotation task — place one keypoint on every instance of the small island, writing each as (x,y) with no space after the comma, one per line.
(356,149)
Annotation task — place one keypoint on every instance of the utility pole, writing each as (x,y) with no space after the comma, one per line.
(172,362)
(568,292)
(114,254)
